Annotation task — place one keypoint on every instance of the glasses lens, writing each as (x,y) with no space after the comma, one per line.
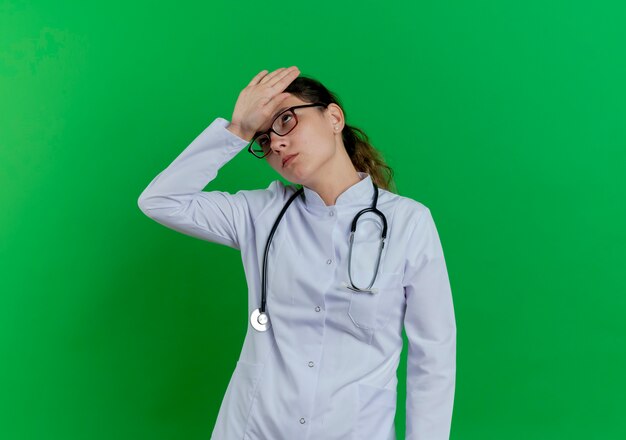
(261,146)
(284,123)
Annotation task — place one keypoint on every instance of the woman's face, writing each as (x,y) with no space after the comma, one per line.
(314,140)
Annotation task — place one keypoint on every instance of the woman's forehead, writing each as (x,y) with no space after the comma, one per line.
(290,101)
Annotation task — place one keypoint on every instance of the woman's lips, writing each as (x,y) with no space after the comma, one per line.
(288,159)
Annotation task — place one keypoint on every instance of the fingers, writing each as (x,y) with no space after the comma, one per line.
(268,87)
(269,76)
(272,78)
(262,77)
(276,100)
(257,77)
(282,79)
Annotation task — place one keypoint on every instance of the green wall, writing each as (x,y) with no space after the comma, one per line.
(506,119)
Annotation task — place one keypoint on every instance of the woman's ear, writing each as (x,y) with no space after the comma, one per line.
(336,116)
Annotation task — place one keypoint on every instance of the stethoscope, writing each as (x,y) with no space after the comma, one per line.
(259,318)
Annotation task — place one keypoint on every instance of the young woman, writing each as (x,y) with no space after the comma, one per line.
(337,266)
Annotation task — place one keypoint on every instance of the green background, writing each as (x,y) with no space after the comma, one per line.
(506,119)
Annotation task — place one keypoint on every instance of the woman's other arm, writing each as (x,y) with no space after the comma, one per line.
(431,331)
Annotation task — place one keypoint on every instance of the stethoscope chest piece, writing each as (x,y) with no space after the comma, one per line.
(259,320)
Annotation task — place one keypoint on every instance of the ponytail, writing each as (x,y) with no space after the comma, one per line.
(366,158)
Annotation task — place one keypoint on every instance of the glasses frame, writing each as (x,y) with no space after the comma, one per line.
(271,129)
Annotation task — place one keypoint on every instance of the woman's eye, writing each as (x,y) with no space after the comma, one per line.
(286,116)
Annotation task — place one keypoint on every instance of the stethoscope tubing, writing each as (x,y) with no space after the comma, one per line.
(267,248)
(259,318)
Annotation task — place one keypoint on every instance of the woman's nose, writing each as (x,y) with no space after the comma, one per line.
(277,142)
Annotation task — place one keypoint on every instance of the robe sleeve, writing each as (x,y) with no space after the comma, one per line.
(175,197)
(430,327)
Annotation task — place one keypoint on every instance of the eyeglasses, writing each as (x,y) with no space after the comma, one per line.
(281,125)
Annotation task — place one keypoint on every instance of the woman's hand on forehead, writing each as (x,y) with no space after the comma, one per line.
(262,97)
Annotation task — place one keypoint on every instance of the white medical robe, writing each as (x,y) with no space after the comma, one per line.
(326,368)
